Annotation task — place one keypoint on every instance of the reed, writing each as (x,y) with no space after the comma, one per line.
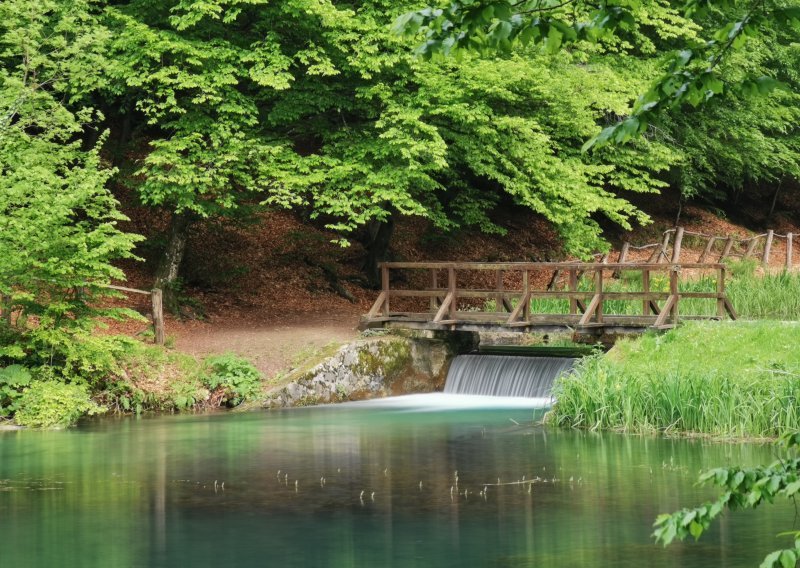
(726,379)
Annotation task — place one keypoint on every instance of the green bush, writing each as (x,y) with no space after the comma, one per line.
(235,378)
(47,404)
(12,380)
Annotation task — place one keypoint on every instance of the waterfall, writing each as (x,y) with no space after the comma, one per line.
(500,375)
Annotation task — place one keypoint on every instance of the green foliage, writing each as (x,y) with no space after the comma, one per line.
(741,489)
(234,377)
(13,379)
(48,404)
(58,223)
(724,379)
(692,74)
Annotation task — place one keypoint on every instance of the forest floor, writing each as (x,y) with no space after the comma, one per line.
(270,289)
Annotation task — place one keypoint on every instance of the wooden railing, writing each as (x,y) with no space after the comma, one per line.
(157,301)
(512,304)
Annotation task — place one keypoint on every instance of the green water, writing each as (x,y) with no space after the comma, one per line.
(125,493)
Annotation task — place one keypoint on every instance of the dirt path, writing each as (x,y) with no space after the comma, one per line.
(271,346)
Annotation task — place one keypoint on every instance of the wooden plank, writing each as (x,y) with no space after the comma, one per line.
(376,307)
(623,256)
(727,250)
(676,247)
(598,290)
(526,300)
(645,289)
(673,290)
(451,287)
(573,287)
(444,309)
(751,246)
(767,247)
(498,282)
(385,287)
(662,318)
(707,250)
(157,297)
(721,293)
(730,310)
(434,303)
(789,252)
(131,290)
(587,315)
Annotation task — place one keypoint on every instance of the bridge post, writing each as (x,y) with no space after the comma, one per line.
(598,290)
(573,287)
(526,309)
(498,299)
(789,238)
(721,292)
(451,288)
(646,290)
(434,286)
(673,290)
(385,288)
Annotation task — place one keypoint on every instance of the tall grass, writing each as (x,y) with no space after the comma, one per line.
(739,379)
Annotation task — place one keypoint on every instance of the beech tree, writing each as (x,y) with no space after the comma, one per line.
(58,222)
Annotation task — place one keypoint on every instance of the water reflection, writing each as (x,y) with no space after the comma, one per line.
(340,486)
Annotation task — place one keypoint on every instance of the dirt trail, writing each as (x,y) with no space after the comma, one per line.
(271,346)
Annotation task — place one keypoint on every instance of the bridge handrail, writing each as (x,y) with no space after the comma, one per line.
(444,300)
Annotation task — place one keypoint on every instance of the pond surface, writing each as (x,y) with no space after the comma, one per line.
(361,486)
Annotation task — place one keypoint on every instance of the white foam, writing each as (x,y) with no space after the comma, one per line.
(447,401)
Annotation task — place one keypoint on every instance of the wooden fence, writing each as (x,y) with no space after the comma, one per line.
(512,305)
(157,300)
(716,249)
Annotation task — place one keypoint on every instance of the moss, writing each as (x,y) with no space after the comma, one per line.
(389,358)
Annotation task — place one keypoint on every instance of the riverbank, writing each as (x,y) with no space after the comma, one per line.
(723,379)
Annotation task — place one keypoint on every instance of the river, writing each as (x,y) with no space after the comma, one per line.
(362,486)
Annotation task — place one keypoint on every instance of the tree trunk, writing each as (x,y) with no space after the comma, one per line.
(376,240)
(170,263)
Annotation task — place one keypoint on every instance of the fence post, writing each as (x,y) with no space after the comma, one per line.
(157,296)
(673,290)
(767,248)
(526,309)
(751,247)
(385,288)
(721,292)
(573,287)
(598,289)
(646,290)
(434,286)
(676,247)
(451,288)
(498,299)
(727,250)
(707,250)
(789,238)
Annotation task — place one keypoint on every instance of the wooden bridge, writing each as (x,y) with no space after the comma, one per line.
(585,298)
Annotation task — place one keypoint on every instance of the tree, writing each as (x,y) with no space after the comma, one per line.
(691,72)
(58,222)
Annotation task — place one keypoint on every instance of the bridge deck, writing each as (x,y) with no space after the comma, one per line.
(546,297)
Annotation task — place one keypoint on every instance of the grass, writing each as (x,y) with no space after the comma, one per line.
(754,296)
(725,379)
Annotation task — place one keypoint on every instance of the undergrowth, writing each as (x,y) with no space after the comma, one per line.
(729,379)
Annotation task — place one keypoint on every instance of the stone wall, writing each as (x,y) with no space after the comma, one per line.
(372,368)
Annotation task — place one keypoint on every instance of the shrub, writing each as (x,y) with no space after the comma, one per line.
(47,404)
(232,377)
(12,380)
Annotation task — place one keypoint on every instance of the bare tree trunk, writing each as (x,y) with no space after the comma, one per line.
(376,241)
(170,263)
